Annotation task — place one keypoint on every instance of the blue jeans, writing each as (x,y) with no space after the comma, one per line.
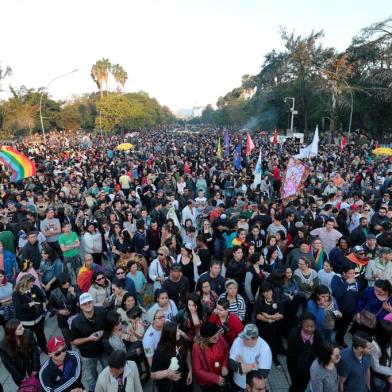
(219,246)
(90,367)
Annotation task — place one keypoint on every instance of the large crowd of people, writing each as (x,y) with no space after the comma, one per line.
(163,263)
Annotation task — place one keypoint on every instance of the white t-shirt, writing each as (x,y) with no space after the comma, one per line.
(150,341)
(260,354)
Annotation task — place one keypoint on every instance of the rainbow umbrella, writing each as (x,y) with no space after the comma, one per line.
(383,151)
(125,147)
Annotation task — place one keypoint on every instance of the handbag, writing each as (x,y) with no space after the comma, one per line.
(369,319)
(30,384)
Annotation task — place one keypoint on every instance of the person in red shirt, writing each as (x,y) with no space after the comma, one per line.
(229,323)
(210,356)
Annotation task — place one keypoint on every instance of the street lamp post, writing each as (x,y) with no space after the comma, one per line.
(351,111)
(42,94)
(293,112)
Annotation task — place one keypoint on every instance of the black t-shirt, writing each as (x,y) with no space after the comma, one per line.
(263,307)
(177,291)
(82,327)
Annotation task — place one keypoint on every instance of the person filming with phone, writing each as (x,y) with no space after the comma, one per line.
(86,334)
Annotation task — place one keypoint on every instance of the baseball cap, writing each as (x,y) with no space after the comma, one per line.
(176,267)
(54,343)
(84,298)
(358,249)
(249,332)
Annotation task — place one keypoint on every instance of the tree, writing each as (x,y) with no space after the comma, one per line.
(120,75)
(70,116)
(100,74)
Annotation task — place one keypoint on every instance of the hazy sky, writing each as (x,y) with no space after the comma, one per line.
(183,52)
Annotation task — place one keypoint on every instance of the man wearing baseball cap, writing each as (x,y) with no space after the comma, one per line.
(62,372)
(249,352)
(86,333)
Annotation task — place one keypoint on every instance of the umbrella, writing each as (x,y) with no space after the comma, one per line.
(383,151)
(125,147)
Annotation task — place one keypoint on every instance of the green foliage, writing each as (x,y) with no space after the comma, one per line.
(130,111)
(321,81)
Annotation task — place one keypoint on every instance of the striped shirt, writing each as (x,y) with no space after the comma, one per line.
(237,307)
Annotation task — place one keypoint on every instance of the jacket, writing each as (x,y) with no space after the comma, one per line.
(204,361)
(9,265)
(300,355)
(53,379)
(346,295)
(22,364)
(26,314)
(107,383)
(58,301)
(99,293)
(357,236)
(376,267)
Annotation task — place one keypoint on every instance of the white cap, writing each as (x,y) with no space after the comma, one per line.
(84,298)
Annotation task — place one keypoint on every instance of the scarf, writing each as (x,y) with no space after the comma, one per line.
(306,337)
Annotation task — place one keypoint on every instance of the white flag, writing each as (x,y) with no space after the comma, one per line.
(257,173)
(311,150)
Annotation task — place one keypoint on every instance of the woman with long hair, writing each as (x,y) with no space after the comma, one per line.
(19,352)
(292,300)
(27,268)
(171,365)
(323,372)
(191,318)
(272,260)
(118,289)
(7,310)
(30,306)
(100,289)
(324,307)
(159,269)
(208,297)
(129,301)
(207,232)
(163,303)
(210,356)
(51,265)
(189,261)
(269,316)
(373,305)
(382,357)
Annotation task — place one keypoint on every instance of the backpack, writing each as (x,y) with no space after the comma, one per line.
(30,384)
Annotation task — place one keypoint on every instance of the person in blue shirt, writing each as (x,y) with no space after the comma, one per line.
(346,289)
(10,265)
(354,365)
(324,307)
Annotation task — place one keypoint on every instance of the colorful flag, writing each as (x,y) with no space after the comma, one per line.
(249,145)
(219,150)
(227,143)
(275,140)
(237,157)
(257,173)
(294,178)
(20,165)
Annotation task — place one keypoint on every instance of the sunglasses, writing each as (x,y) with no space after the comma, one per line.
(161,254)
(101,278)
(120,273)
(58,353)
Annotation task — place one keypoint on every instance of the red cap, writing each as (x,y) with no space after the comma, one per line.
(55,342)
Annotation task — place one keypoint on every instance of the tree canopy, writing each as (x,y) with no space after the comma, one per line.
(321,80)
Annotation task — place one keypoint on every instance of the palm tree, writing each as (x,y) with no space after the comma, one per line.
(120,75)
(100,74)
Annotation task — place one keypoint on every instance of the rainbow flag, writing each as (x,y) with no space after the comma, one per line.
(20,165)
(219,150)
